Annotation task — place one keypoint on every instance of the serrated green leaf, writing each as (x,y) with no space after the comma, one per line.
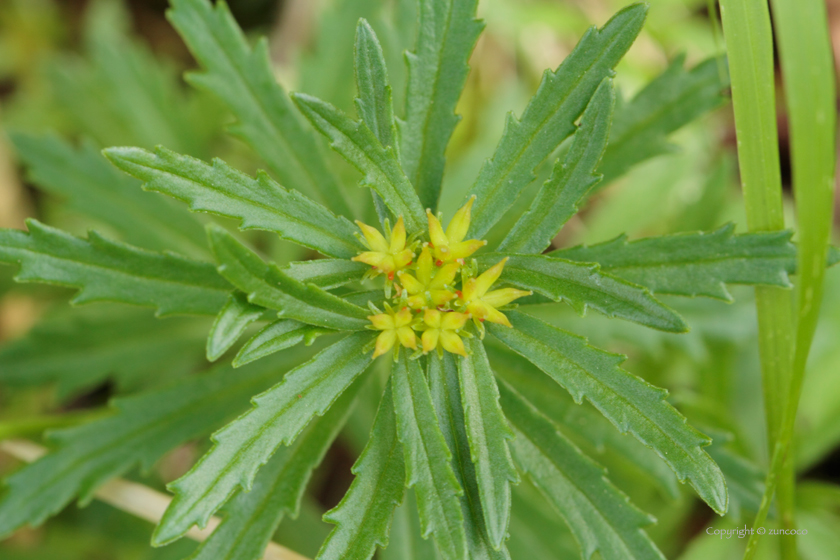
(104,270)
(252,518)
(550,116)
(80,350)
(230,324)
(267,286)
(140,431)
(584,285)
(88,185)
(572,179)
(446,395)
(405,542)
(629,402)
(326,273)
(695,264)
(277,336)
(259,203)
(363,517)
(744,479)
(244,445)
(428,460)
(437,71)
(378,164)
(675,98)
(488,434)
(242,78)
(600,516)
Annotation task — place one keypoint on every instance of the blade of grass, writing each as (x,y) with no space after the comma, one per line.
(805,51)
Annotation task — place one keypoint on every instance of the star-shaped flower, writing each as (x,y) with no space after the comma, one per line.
(441,331)
(394,326)
(431,286)
(482,304)
(450,246)
(386,257)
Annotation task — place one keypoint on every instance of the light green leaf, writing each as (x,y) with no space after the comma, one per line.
(267,286)
(405,542)
(277,336)
(326,273)
(488,434)
(251,518)
(140,431)
(258,203)
(447,398)
(244,445)
(695,264)
(583,285)
(629,402)
(572,179)
(242,78)
(437,71)
(363,517)
(90,186)
(378,164)
(104,270)
(230,324)
(428,460)
(674,99)
(80,350)
(550,116)
(600,516)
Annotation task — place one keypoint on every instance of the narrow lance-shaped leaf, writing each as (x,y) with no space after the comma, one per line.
(230,324)
(244,445)
(104,270)
(363,517)
(326,273)
(374,104)
(428,461)
(83,348)
(437,71)
(258,203)
(140,431)
(446,395)
(572,179)
(91,186)
(600,516)
(674,99)
(630,403)
(550,116)
(379,165)
(268,286)
(252,518)
(277,336)
(695,264)
(242,78)
(584,285)
(488,434)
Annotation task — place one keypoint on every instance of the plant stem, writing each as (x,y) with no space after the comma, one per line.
(805,52)
(138,500)
(749,41)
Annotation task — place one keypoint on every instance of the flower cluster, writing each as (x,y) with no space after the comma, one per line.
(434,294)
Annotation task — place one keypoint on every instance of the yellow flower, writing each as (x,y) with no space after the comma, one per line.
(450,246)
(482,304)
(384,256)
(441,331)
(429,287)
(394,326)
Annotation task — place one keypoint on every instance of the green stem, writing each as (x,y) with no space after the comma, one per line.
(35,425)
(805,52)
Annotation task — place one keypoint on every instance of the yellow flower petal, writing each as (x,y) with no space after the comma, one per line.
(411,284)
(444,276)
(379,261)
(425,266)
(383,321)
(407,337)
(432,318)
(403,318)
(498,298)
(440,297)
(376,241)
(464,249)
(398,236)
(384,342)
(484,281)
(436,234)
(460,223)
(430,340)
(453,321)
(451,342)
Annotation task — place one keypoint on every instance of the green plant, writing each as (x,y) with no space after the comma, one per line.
(454,420)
